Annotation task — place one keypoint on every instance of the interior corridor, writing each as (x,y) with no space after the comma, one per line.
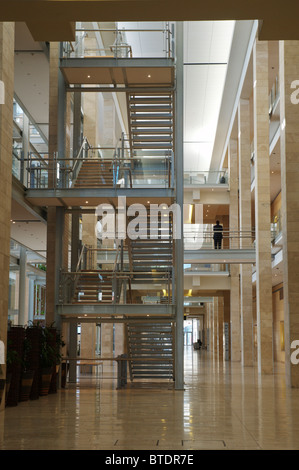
(223,407)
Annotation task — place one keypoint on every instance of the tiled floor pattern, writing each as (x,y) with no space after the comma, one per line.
(223,407)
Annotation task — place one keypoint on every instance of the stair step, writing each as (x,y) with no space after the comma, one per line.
(148,124)
(141,138)
(151,100)
(153,131)
(150,116)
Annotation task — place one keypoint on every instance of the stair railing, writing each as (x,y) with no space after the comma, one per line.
(82,254)
(82,257)
(120,164)
(78,161)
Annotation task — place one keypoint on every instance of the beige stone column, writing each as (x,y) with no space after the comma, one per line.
(226,319)
(262,208)
(107,345)
(220,327)
(244,142)
(210,326)
(235,325)
(289,115)
(6,130)
(215,327)
(87,346)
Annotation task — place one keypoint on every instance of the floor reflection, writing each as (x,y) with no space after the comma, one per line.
(223,406)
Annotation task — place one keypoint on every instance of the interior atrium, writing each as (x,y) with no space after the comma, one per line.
(125,137)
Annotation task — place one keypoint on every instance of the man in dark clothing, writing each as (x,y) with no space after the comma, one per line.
(218,229)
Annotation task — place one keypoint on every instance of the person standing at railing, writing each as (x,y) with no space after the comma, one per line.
(218,235)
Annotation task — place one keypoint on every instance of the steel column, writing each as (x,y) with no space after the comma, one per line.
(179,182)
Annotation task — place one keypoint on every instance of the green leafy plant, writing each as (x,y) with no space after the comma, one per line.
(59,344)
(48,353)
(12,356)
(26,354)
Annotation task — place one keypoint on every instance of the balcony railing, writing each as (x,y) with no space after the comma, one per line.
(125,173)
(120,283)
(120,43)
(196,178)
(202,237)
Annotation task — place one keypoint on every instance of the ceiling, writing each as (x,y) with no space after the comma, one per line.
(206,53)
(54,20)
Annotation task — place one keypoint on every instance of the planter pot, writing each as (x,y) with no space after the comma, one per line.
(26,385)
(45,381)
(15,341)
(33,334)
(2,387)
(8,381)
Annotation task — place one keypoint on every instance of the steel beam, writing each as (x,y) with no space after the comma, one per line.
(130,310)
(89,193)
(179,182)
(121,89)
(115,62)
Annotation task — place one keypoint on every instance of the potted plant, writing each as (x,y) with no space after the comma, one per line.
(59,343)
(27,375)
(15,338)
(48,360)
(34,335)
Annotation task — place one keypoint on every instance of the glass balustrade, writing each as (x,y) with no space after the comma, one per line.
(119,42)
(100,167)
(198,269)
(197,178)
(201,236)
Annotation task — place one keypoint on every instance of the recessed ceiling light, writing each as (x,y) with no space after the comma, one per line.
(88,76)
(149,76)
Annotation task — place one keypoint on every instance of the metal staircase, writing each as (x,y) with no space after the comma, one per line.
(149,256)
(95,174)
(93,287)
(150,121)
(150,350)
(151,135)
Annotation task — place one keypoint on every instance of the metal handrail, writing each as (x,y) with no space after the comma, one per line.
(80,257)
(167,30)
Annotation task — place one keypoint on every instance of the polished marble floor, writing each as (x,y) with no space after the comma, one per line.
(223,407)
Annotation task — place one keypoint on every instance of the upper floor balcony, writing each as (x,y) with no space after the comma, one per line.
(209,179)
(117,57)
(97,173)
